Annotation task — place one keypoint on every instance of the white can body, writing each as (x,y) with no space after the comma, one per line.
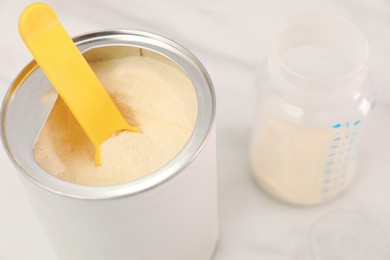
(170,214)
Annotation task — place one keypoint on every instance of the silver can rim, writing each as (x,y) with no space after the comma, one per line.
(203,128)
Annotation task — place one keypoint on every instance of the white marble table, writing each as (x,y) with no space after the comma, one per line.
(230,38)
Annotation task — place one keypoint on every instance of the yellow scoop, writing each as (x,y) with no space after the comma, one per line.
(70,75)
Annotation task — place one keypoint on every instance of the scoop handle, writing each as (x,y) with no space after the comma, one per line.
(70,74)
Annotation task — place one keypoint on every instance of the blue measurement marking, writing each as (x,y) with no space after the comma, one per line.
(343,143)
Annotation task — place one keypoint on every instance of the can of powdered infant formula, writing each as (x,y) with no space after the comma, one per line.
(170,214)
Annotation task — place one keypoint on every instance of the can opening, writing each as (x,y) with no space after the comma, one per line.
(31,98)
(153,94)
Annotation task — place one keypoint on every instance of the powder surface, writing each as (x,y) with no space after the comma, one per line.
(153,96)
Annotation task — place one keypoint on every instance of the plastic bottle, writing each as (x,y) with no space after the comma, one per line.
(314,98)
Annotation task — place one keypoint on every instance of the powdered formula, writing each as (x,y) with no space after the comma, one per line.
(153,96)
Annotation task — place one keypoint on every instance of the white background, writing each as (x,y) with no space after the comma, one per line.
(231,38)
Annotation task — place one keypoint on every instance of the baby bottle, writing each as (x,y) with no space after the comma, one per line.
(314,98)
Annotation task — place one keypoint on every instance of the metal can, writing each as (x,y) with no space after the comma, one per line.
(167,215)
